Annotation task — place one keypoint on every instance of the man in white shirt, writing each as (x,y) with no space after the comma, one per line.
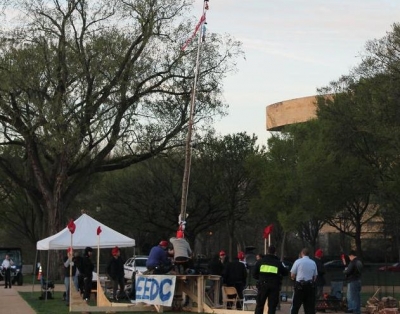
(6,265)
(304,272)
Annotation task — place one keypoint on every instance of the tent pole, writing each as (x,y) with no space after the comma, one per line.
(34,271)
(47,272)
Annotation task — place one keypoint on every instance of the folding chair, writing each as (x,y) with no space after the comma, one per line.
(47,289)
(229,295)
(249,298)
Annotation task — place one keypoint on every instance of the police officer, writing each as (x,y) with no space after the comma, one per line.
(304,272)
(269,272)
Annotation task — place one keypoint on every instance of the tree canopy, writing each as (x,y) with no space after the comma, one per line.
(95,86)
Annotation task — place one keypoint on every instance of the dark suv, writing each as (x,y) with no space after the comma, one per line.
(16,269)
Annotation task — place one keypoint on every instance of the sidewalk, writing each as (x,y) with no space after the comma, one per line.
(12,302)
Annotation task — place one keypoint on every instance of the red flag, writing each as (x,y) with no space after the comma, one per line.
(202,20)
(268,230)
(98,230)
(71,226)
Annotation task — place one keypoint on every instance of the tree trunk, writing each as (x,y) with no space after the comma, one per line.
(357,239)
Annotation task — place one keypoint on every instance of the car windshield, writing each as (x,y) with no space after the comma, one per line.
(140,262)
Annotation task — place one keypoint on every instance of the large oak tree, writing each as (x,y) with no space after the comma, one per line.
(95,86)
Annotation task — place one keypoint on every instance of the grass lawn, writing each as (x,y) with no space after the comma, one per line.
(57,305)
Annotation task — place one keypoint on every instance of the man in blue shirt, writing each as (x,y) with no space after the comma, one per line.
(304,272)
(158,261)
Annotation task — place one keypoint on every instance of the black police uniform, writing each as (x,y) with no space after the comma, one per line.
(269,272)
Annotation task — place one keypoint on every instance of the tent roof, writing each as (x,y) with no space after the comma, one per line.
(85,235)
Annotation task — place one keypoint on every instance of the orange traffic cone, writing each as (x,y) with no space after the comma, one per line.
(39,276)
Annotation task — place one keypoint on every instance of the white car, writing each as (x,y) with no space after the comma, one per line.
(135,264)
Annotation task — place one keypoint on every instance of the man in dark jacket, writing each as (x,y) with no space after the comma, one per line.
(268,272)
(86,271)
(235,275)
(115,270)
(353,276)
(217,267)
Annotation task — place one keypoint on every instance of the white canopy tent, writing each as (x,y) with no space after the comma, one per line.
(85,235)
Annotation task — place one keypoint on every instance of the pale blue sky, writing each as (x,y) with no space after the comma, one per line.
(292,47)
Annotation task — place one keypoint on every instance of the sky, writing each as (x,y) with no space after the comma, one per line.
(292,47)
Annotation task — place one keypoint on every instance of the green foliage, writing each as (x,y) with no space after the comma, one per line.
(308,182)
(223,181)
(96,86)
(148,194)
(360,127)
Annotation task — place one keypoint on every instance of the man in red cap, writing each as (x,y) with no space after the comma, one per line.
(320,281)
(235,275)
(158,261)
(115,270)
(216,267)
(241,257)
(182,251)
(218,264)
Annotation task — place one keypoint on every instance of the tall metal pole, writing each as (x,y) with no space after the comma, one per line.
(188,150)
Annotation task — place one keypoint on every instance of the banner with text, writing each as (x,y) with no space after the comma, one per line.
(155,289)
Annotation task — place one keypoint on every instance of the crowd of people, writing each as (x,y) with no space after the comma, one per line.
(176,257)
(307,273)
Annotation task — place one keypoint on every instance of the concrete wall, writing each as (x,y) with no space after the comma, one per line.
(290,111)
